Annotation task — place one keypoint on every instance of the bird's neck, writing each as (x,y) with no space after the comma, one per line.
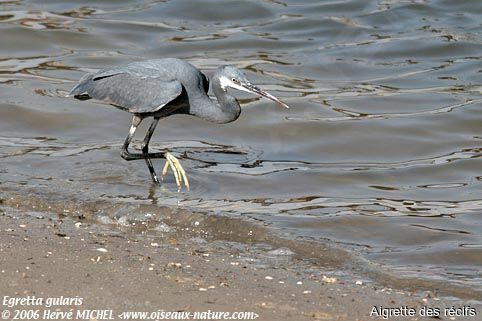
(225,111)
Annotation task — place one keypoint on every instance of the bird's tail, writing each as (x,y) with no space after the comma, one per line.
(80,91)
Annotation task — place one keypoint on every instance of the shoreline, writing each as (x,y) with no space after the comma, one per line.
(167,222)
(124,269)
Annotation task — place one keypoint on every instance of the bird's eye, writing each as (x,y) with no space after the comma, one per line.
(234,80)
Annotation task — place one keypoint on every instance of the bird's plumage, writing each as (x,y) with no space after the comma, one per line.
(144,95)
(164,87)
(142,87)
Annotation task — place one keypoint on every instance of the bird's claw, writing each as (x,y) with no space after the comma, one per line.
(178,171)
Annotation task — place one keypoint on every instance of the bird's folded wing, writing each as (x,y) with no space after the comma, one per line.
(130,91)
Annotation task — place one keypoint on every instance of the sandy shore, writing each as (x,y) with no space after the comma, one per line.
(49,256)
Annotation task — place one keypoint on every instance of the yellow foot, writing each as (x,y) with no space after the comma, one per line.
(179,173)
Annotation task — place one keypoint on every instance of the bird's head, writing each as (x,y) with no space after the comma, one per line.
(232,77)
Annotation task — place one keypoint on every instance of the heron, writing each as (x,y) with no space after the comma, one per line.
(159,88)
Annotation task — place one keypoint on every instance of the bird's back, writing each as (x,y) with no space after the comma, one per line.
(143,86)
(167,68)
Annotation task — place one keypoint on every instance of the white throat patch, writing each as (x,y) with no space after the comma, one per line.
(225,82)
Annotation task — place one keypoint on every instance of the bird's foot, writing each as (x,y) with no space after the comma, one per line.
(178,171)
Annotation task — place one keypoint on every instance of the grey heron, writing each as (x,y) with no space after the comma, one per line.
(159,88)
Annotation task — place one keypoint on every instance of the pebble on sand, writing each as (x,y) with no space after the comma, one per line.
(328,279)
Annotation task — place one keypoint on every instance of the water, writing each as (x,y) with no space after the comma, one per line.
(379,154)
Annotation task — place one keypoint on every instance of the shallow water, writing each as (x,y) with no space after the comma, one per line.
(380,152)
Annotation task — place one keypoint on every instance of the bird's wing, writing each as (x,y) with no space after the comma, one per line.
(205,81)
(133,92)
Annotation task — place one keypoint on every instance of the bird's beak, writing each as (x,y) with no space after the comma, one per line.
(249,87)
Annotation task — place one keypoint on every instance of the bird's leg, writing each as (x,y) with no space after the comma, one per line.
(171,161)
(136,120)
(145,149)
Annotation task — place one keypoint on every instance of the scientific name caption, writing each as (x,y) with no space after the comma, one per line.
(69,308)
(404,311)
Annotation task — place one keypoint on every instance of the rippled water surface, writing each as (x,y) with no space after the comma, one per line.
(380,152)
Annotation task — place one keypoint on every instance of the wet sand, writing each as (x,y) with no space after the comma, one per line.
(51,255)
(378,155)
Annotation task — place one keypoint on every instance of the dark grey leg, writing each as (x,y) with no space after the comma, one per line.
(136,120)
(145,149)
